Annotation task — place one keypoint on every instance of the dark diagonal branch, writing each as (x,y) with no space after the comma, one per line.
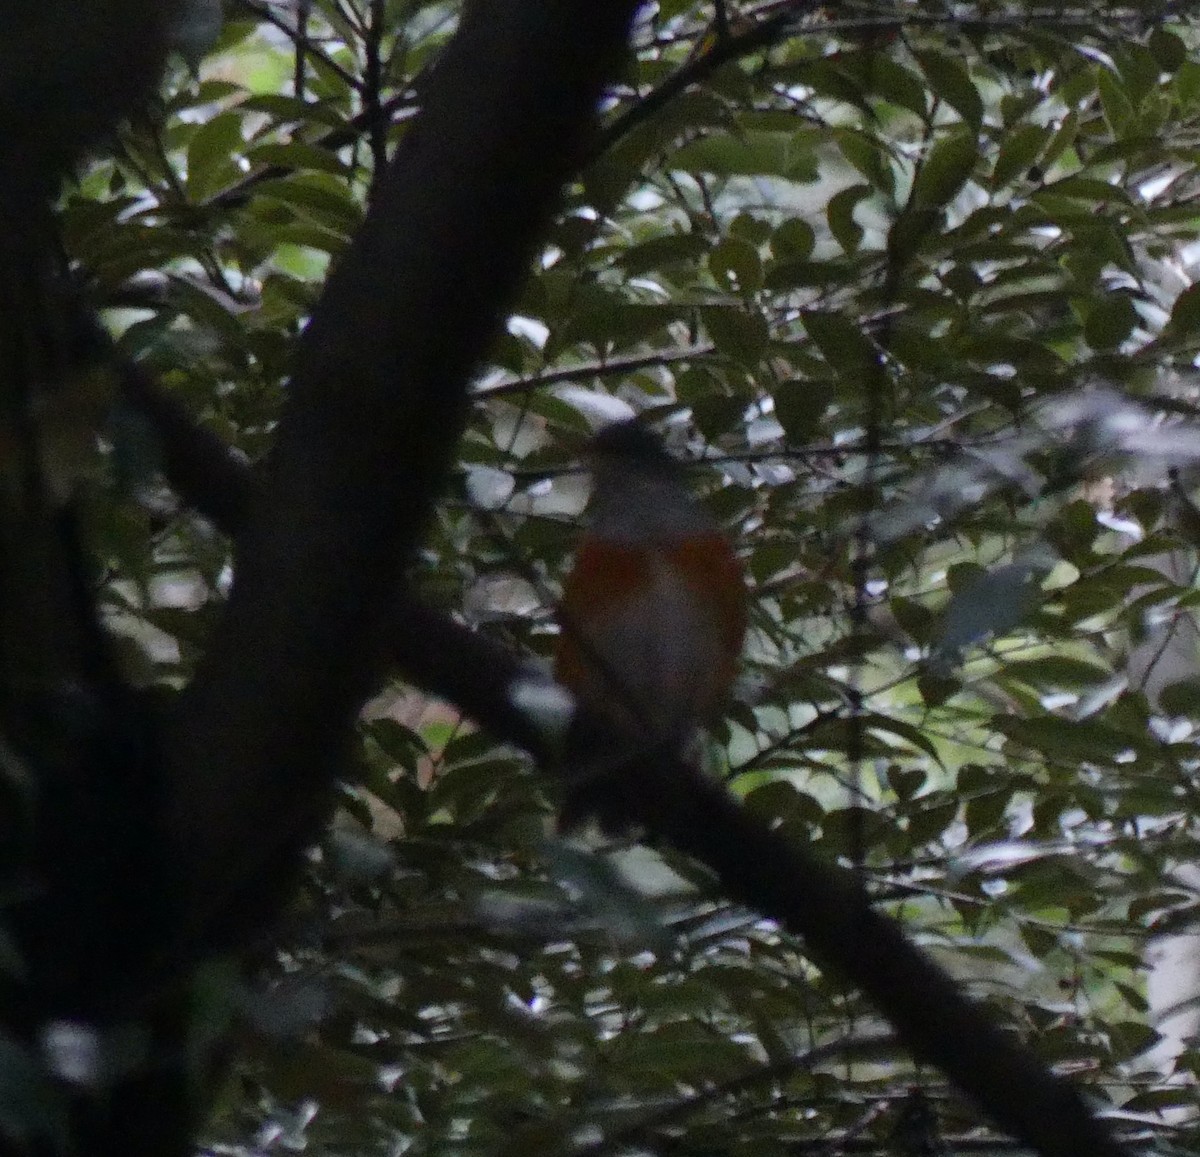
(826,905)
(209,475)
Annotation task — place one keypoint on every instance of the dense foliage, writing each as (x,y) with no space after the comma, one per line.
(911,285)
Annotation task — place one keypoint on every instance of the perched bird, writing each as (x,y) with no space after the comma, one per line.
(652,619)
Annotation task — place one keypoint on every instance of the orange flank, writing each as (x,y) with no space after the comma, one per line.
(664,621)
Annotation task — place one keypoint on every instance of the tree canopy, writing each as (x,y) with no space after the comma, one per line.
(909,287)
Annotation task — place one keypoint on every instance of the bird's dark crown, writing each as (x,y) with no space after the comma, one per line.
(631,441)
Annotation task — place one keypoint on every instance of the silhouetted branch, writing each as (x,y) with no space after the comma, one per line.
(826,905)
(206,473)
(375,410)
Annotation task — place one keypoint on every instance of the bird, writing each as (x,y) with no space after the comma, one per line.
(652,620)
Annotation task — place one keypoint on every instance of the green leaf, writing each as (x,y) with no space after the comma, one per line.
(1086,189)
(840,214)
(947,168)
(662,253)
(308,237)
(1167,48)
(212,155)
(841,342)
(686,1051)
(740,334)
(1181,697)
(314,198)
(915,619)
(867,155)
(883,76)
(1065,739)
(952,83)
(1020,148)
(914,736)
(750,228)
(906,782)
(800,406)
(1139,71)
(1057,671)
(1185,313)
(750,153)
(736,266)
(930,820)
(299,156)
(793,239)
(1118,110)
(209,309)
(283,109)
(604,316)
(936,689)
(1110,322)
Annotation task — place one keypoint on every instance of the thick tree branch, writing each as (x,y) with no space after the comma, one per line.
(376,407)
(209,475)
